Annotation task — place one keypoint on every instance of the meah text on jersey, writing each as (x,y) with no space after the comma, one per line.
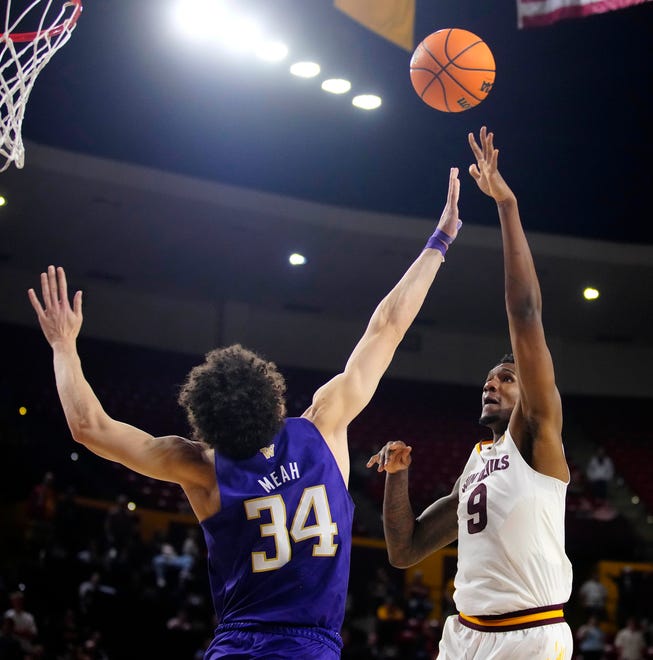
(279,476)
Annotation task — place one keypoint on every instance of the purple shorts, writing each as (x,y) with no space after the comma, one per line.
(250,641)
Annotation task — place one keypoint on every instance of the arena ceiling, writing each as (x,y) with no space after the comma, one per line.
(160,164)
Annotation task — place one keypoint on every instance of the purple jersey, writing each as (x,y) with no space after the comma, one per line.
(279,547)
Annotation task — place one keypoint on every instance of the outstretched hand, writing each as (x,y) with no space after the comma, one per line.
(393,457)
(449,222)
(485,172)
(59,321)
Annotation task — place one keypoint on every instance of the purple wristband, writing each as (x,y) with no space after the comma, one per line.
(439,241)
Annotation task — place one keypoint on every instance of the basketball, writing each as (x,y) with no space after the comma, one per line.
(452,70)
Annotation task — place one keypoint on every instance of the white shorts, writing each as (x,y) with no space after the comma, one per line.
(550,642)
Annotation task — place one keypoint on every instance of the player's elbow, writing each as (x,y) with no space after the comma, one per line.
(527,309)
(400,558)
(85,429)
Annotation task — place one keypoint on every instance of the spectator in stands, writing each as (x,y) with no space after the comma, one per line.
(389,622)
(381,587)
(629,642)
(418,603)
(120,523)
(168,559)
(593,595)
(10,644)
(42,511)
(190,545)
(591,640)
(93,599)
(24,624)
(633,596)
(600,472)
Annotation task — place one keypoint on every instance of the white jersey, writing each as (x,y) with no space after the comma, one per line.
(511,534)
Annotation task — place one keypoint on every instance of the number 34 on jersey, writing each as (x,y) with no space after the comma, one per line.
(313,499)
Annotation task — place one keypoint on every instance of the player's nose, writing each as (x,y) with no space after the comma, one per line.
(490,385)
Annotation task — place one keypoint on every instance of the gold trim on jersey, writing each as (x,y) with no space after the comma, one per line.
(540,616)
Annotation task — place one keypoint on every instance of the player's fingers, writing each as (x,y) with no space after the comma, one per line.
(77,303)
(36,303)
(45,291)
(495,159)
(475,148)
(454,187)
(487,151)
(63,285)
(372,460)
(52,284)
(473,170)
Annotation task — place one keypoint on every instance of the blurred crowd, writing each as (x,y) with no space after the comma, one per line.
(85,585)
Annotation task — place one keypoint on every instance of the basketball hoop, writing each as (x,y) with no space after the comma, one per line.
(23,55)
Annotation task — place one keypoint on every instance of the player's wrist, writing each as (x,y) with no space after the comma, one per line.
(440,241)
(506,199)
(63,345)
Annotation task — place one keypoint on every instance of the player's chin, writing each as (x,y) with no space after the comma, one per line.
(487,420)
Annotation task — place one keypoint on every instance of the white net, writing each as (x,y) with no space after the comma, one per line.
(31,35)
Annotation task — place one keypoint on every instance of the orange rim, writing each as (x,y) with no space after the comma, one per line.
(52,32)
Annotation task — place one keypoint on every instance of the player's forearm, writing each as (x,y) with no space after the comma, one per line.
(398,519)
(83,411)
(400,307)
(522,289)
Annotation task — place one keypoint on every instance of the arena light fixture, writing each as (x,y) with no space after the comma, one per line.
(336,86)
(305,69)
(296,259)
(271,51)
(3,200)
(241,34)
(200,19)
(590,293)
(367,101)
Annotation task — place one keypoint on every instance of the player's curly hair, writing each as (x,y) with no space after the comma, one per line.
(234,401)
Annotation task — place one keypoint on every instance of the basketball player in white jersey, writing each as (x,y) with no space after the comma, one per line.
(507,508)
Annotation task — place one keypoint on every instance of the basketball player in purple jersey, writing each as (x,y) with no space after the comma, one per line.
(270,493)
(507,508)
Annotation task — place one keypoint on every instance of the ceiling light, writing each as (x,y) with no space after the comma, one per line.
(200,19)
(240,34)
(3,200)
(297,259)
(272,51)
(590,293)
(305,69)
(366,101)
(336,86)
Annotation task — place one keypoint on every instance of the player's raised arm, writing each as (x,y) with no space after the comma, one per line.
(169,458)
(338,402)
(538,417)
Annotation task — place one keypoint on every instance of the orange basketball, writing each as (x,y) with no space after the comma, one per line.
(452,70)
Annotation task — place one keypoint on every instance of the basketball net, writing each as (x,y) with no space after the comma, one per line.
(23,55)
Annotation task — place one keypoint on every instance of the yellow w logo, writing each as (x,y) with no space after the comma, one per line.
(268,452)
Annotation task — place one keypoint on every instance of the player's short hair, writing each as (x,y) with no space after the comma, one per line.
(506,358)
(234,401)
